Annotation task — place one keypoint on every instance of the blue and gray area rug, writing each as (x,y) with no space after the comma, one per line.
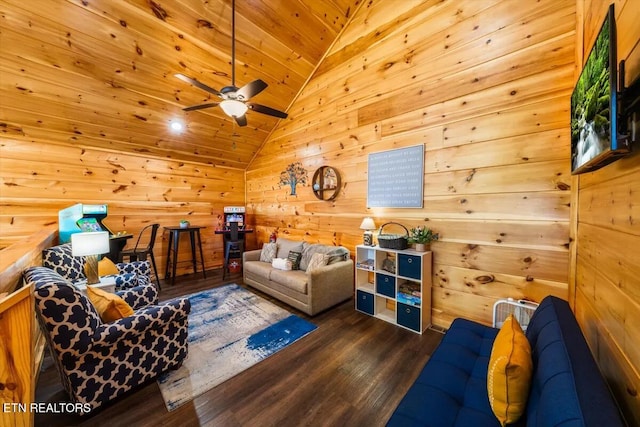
(230,330)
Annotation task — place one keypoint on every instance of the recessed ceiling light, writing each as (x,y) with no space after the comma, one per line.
(176,126)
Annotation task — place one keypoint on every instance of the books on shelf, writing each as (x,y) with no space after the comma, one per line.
(409,299)
(409,293)
(366,264)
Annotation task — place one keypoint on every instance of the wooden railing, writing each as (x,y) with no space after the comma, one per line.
(15,258)
(21,342)
(17,358)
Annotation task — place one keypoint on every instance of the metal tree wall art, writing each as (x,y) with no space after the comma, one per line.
(294,174)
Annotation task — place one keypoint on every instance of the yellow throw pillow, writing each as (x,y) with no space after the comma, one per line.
(510,370)
(107,267)
(109,306)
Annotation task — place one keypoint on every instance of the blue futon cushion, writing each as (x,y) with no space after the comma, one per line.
(567,388)
(452,388)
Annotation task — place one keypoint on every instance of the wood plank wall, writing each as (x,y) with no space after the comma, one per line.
(485,86)
(41,177)
(607,293)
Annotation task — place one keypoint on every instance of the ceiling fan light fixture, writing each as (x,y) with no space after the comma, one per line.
(233,107)
(233,98)
(176,126)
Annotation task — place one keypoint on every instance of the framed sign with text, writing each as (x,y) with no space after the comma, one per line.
(395,178)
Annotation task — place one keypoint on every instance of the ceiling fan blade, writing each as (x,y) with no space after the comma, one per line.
(241,121)
(197,84)
(251,89)
(266,110)
(201,106)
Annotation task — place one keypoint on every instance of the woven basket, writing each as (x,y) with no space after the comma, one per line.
(393,241)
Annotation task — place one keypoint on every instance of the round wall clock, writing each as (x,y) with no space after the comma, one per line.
(326,183)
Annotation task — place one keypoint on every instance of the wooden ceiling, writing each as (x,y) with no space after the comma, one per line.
(100,73)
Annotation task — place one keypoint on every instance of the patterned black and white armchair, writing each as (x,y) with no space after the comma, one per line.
(100,361)
(60,259)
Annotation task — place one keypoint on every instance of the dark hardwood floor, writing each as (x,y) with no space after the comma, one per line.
(351,371)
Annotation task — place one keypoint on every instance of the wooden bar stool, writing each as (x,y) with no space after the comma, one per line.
(232,246)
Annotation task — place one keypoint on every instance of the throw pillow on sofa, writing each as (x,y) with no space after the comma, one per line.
(109,306)
(285,246)
(509,373)
(281,264)
(295,258)
(106,267)
(309,250)
(317,260)
(268,252)
(335,253)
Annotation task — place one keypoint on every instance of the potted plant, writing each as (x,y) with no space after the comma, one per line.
(184,223)
(422,238)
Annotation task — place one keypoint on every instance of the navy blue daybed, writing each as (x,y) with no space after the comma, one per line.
(567,387)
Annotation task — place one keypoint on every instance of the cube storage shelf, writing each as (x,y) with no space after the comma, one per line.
(394,285)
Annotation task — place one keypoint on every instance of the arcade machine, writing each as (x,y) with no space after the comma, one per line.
(234,214)
(233,234)
(81,218)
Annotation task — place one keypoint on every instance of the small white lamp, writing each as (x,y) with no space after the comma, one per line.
(89,245)
(368,225)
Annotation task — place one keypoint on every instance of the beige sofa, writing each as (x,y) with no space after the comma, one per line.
(309,291)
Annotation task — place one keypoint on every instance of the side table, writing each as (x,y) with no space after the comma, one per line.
(174,244)
(106,284)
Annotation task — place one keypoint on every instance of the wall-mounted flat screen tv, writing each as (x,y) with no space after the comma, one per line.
(594,141)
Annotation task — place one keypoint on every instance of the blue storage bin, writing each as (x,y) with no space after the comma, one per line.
(409,316)
(410,266)
(386,285)
(364,302)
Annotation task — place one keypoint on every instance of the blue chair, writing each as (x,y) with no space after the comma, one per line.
(100,361)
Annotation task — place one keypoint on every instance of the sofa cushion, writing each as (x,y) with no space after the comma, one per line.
(294,279)
(258,268)
(269,251)
(286,245)
(451,390)
(567,388)
(509,374)
(564,371)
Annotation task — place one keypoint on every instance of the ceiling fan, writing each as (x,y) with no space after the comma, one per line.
(234,100)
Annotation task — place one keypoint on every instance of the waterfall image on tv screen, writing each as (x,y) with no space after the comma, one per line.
(591,104)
